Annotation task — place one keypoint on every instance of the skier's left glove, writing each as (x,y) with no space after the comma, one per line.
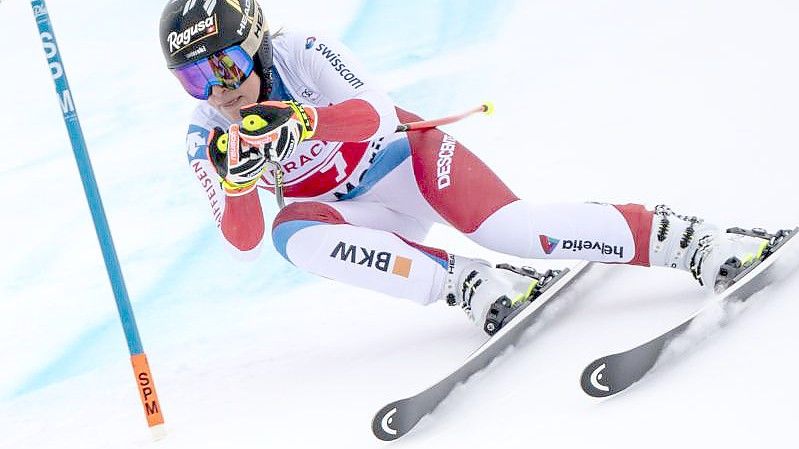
(238,164)
(277,127)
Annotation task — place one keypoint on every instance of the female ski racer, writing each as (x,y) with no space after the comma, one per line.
(297,115)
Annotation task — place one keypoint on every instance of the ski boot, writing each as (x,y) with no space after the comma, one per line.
(492,296)
(715,258)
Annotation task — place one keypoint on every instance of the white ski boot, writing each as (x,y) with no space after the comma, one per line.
(713,257)
(476,287)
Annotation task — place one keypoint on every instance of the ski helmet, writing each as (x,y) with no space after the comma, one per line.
(196,31)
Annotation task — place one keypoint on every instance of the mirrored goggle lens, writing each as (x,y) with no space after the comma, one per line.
(228,68)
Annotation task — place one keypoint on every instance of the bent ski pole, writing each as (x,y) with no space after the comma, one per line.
(487,108)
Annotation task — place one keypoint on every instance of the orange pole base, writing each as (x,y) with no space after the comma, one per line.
(147,393)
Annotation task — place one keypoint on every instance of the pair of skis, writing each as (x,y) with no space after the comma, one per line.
(603,377)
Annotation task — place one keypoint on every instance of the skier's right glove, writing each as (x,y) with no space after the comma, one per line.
(239,164)
(278,126)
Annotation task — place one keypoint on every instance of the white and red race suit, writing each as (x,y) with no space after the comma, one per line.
(361,196)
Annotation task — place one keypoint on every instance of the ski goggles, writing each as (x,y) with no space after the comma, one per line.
(227,68)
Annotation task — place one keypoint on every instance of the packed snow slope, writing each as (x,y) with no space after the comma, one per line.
(693,104)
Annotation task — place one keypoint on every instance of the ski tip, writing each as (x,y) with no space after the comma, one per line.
(398,418)
(594,380)
(386,423)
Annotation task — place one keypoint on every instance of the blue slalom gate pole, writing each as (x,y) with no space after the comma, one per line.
(144,379)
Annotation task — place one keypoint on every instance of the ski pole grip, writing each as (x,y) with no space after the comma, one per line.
(486,108)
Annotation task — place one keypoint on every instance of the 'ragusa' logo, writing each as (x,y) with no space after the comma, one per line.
(309,42)
(548,243)
(204,28)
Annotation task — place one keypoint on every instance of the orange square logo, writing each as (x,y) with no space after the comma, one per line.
(402,267)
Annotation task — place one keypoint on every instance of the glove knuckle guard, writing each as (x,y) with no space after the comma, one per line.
(264,117)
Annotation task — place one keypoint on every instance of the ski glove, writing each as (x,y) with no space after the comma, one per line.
(269,132)
(238,164)
(278,126)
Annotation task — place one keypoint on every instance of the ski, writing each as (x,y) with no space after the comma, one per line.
(399,417)
(612,374)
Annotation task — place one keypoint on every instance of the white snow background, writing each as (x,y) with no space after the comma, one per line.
(689,103)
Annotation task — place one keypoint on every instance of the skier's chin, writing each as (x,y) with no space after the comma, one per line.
(231,109)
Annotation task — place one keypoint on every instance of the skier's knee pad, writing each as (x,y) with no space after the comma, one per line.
(298,216)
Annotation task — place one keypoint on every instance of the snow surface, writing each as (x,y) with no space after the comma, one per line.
(688,103)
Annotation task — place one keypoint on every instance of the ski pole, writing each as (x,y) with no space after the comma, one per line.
(141,368)
(486,108)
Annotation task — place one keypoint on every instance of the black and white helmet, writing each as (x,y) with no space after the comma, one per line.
(192,30)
